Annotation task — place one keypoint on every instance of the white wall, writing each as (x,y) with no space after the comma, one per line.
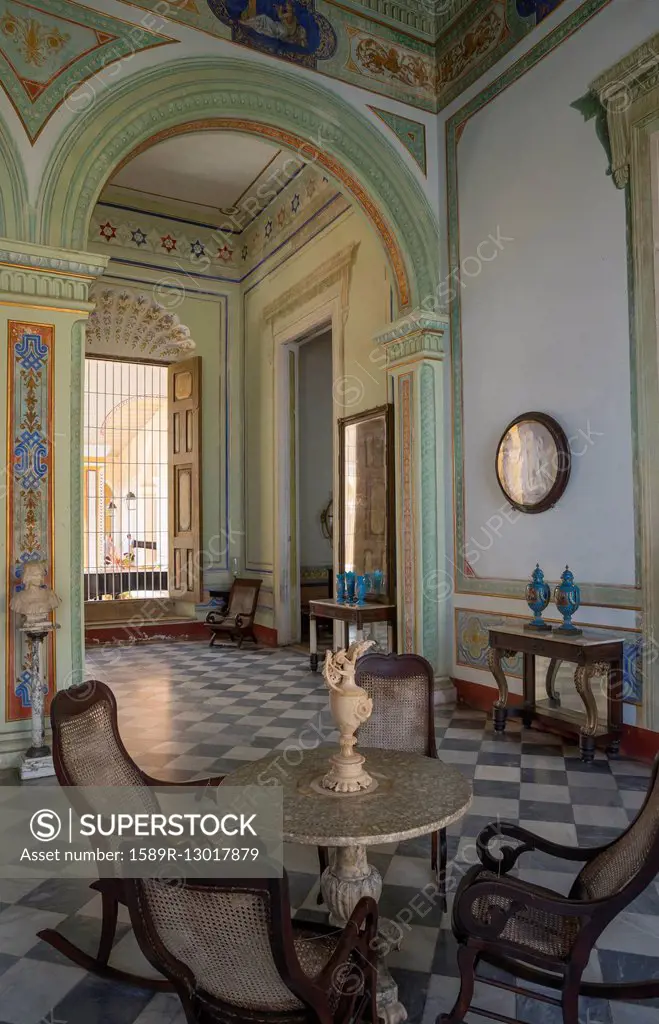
(315,437)
(545,325)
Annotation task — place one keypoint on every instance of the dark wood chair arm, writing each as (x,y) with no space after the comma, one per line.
(506,856)
(521,895)
(243,619)
(213,781)
(215,618)
(359,935)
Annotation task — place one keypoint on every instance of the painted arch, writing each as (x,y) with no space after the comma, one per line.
(220,93)
(13,189)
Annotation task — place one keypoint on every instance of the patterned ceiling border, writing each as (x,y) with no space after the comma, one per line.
(69,44)
(126,231)
(598,594)
(421,53)
(217,93)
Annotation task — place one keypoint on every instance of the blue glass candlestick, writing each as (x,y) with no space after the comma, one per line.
(567,597)
(362,585)
(537,598)
(340,588)
(378,580)
(350,587)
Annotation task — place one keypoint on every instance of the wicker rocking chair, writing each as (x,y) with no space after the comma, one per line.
(87,751)
(402,688)
(233,954)
(537,935)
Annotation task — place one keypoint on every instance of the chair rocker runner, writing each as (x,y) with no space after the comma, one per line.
(88,751)
(402,687)
(237,622)
(544,938)
(233,954)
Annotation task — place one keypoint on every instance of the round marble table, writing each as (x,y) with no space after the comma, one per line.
(413,795)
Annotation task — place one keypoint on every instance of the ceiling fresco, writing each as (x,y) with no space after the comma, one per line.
(421,52)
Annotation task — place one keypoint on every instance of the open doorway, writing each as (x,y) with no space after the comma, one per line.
(315,475)
(125,480)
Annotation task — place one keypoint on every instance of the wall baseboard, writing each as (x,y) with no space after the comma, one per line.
(186,629)
(636,743)
(266,635)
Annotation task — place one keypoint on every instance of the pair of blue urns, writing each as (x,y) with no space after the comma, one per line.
(567,598)
(352,589)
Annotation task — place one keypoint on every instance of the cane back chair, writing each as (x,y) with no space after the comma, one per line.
(540,936)
(233,954)
(402,689)
(237,622)
(88,751)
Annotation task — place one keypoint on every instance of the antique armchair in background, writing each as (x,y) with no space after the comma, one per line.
(88,751)
(539,936)
(232,953)
(237,622)
(402,688)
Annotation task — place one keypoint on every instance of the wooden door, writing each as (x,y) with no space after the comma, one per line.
(184,401)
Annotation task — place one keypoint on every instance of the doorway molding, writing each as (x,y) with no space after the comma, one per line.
(321,300)
(217,93)
(629,95)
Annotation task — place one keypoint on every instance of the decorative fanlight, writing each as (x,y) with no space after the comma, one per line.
(327,521)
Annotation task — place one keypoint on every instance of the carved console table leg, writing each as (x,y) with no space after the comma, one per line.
(582,677)
(343,883)
(500,707)
(550,683)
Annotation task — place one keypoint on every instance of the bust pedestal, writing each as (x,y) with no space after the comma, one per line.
(37,761)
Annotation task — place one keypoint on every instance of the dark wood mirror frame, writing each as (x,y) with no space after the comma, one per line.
(386,412)
(561,468)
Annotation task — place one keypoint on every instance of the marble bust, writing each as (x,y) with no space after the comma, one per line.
(35,601)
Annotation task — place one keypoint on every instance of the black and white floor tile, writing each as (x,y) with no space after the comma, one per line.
(187,711)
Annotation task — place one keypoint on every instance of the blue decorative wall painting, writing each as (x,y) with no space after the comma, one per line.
(538,8)
(291,29)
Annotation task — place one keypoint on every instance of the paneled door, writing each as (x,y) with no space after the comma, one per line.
(184,394)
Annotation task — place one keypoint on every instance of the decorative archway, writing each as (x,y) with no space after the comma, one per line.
(13,188)
(240,95)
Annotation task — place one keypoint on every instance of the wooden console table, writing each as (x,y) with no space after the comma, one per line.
(358,615)
(593,656)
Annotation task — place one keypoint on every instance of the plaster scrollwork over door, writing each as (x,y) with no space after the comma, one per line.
(133,326)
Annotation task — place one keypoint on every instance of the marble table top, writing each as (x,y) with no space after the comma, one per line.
(414,795)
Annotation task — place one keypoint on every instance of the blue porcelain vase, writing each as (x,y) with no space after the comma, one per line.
(340,588)
(567,598)
(350,587)
(537,598)
(362,587)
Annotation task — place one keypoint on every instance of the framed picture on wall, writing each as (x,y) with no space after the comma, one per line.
(533,462)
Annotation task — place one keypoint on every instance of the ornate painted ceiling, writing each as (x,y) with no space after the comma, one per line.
(422,52)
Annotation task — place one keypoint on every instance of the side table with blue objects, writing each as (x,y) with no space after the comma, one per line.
(594,657)
(358,615)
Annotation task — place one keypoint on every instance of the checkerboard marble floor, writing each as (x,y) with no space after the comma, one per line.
(188,711)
